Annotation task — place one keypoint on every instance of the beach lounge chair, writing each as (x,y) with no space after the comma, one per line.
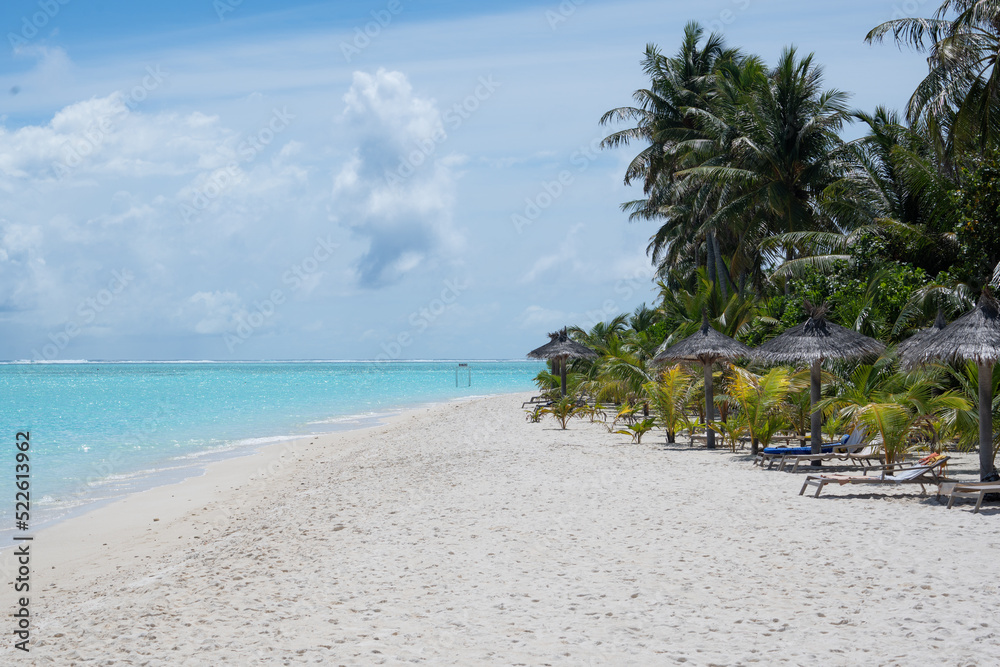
(770,455)
(854,450)
(897,475)
(865,455)
(977,490)
(536,400)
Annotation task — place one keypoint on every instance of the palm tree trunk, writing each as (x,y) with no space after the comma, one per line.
(709,258)
(789,256)
(562,375)
(720,267)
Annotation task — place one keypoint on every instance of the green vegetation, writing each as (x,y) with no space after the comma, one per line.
(756,203)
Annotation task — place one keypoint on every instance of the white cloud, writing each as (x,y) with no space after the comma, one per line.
(214,312)
(100,187)
(536,317)
(396,191)
(326,174)
(102,136)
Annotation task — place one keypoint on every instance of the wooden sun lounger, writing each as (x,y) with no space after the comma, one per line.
(860,455)
(854,445)
(536,400)
(915,474)
(852,451)
(977,490)
(770,459)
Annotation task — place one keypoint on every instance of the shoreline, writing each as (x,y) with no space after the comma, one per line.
(178,469)
(461,534)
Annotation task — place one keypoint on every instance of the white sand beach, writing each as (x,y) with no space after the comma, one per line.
(463,535)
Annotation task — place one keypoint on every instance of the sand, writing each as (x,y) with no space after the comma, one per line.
(463,535)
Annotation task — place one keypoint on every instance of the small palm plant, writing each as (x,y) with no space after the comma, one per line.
(563,410)
(668,396)
(800,410)
(895,405)
(893,423)
(627,414)
(763,400)
(731,430)
(638,429)
(834,425)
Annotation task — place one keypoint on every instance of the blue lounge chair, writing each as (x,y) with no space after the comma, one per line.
(784,455)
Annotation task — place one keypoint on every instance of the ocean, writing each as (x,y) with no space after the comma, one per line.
(101,430)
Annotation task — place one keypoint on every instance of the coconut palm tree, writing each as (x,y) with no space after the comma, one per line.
(661,116)
(785,154)
(600,336)
(673,140)
(897,187)
(961,92)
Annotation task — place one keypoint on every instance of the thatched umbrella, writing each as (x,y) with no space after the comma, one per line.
(705,346)
(974,336)
(906,347)
(559,350)
(812,342)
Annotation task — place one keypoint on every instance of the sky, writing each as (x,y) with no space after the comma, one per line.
(251,179)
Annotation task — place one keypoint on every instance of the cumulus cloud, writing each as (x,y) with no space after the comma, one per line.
(103,136)
(214,312)
(22,268)
(397,189)
(101,187)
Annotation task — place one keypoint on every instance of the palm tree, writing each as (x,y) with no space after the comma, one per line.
(663,121)
(896,187)
(600,338)
(894,404)
(785,154)
(643,334)
(762,400)
(621,373)
(661,117)
(643,318)
(961,92)
(682,309)
(601,335)
(670,395)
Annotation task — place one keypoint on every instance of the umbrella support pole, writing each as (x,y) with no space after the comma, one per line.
(815,393)
(709,407)
(985,420)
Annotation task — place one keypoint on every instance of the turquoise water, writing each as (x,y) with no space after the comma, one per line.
(100,430)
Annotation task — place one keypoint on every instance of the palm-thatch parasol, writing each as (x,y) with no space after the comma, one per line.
(974,336)
(705,346)
(813,341)
(558,350)
(920,337)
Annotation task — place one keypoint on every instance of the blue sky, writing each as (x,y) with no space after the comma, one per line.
(263,180)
